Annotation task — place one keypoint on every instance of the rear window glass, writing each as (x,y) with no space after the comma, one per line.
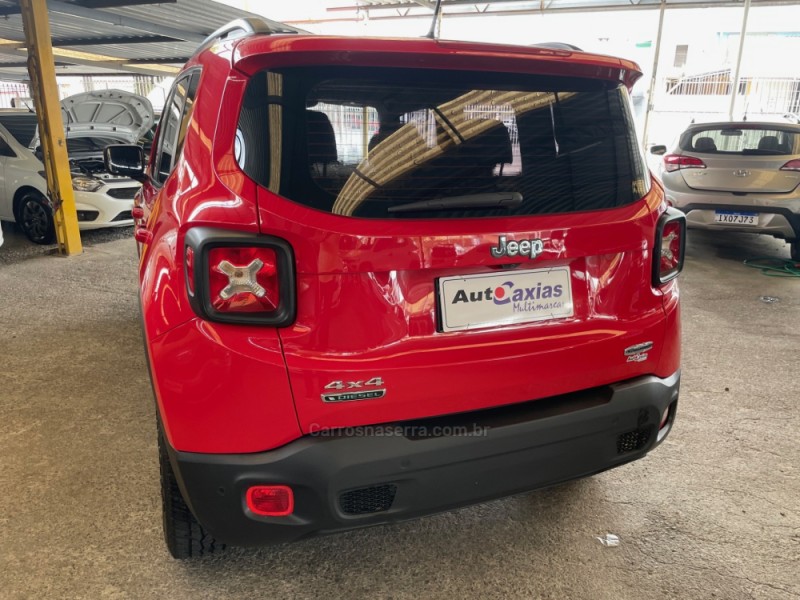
(430,144)
(741,140)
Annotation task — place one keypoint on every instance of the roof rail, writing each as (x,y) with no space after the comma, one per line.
(248,26)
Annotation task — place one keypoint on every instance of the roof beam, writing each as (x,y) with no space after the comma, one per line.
(24,65)
(6,11)
(9,76)
(110,40)
(119,3)
(173,60)
(114,64)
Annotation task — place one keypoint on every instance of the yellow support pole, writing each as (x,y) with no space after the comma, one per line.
(42,70)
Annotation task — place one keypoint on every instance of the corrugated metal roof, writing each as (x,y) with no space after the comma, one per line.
(188,20)
(199,16)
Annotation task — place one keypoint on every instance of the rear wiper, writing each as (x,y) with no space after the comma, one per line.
(485,200)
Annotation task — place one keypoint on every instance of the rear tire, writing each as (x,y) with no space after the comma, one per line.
(35,218)
(794,250)
(185,536)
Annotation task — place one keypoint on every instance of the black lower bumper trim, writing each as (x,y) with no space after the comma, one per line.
(404,476)
(791,217)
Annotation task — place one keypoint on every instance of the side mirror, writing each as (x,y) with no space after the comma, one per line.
(659,150)
(125,160)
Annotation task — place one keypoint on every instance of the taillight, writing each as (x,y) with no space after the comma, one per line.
(792,165)
(270,500)
(669,247)
(673,162)
(235,277)
(243,280)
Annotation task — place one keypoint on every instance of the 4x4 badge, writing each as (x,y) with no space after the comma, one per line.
(350,396)
(529,248)
(638,352)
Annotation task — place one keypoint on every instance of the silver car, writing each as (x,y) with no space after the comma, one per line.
(733,176)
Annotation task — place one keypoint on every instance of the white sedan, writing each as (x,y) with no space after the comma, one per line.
(93,121)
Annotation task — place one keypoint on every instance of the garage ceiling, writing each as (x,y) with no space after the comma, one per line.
(112,36)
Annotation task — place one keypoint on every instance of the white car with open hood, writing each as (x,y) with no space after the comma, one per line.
(93,120)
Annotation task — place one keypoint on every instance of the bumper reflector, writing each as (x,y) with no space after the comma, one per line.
(270,500)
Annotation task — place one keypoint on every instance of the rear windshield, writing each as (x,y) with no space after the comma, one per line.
(770,140)
(429,144)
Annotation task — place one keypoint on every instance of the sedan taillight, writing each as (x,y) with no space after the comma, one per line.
(235,277)
(792,165)
(673,162)
(670,246)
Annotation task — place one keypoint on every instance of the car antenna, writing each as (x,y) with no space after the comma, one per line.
(436,24)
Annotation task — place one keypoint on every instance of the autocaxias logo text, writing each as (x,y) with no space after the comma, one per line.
(523,298)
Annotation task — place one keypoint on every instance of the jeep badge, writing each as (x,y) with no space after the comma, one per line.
(529,248)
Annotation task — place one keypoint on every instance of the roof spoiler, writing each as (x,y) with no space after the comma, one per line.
(246,27)
(558,46)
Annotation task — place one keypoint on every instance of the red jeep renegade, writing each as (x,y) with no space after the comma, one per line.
(382,278)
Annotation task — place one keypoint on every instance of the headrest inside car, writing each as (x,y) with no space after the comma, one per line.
(705,144)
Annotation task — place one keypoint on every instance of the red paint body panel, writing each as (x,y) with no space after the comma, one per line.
(390,273)
(221,391)
(366,302)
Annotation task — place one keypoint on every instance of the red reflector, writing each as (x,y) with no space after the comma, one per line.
(792,165)
(673,162)
(270,500)
(670,249)
(190,269)
(243,279)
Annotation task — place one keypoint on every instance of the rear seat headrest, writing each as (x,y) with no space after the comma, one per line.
(321,139)
(705,144)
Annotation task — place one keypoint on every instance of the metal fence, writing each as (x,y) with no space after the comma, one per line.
(17,94)
(13,94)
(679,101)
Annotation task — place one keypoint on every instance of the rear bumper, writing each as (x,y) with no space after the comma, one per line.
(413,469)
(779,214)
(772,220)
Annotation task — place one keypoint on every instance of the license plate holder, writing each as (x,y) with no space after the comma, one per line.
(736,217)
(488,300)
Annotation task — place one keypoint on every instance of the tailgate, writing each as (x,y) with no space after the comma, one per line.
(369,344)
(743,174)
(462,239)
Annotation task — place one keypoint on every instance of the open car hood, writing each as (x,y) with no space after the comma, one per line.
(108,113)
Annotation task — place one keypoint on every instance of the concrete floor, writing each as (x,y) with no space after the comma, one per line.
(713,513)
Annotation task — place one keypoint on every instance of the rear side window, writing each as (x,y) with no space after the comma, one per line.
(399,143)
(174,123)
(741,139)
